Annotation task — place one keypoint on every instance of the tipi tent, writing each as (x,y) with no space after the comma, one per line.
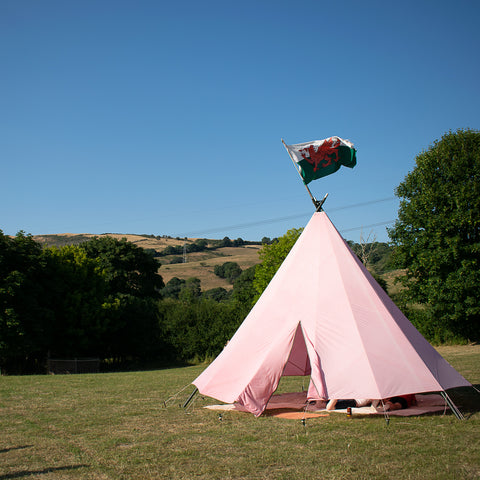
(324,315)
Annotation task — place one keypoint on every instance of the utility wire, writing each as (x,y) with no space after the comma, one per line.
(291,217)
(388,222)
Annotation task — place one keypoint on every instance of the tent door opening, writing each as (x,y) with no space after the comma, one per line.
(302,357)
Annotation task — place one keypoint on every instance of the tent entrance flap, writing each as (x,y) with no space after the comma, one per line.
(298,363)
(302,357)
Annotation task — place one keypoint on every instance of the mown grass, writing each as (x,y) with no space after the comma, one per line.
(115,426)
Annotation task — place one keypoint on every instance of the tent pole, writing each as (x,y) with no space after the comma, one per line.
(452,406)
(190,398)
(318,204)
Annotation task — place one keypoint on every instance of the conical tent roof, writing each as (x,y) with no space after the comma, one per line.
(324,315)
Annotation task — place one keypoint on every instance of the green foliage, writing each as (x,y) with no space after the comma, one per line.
(97,299)
(200,244)
(176,260)
(172,250)
(21,313)
(437,234)
(173,288)
(134,332)
(239,242)
(272,257)
(129,269)
(376,256)
(74,287)
(229,270)
(226,242)
(243,289)
(198,330)
(218,294)
(130,302)
(191,290)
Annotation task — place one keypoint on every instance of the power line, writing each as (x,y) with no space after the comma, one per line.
(372,225)
(290,217)
(363,204)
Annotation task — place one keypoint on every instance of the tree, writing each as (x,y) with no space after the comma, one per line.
(200,244)
(131,299)
(50,302)
(74,286)
(239,242)
(272,257)
(176,260)
(22,315)
(173,288)
(172,250)
(198,330)
(218,294)
(229,270)
(437,236)
(226,242)
(129,268)
(191,291)
(243,290)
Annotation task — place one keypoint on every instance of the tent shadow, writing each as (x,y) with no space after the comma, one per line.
(27,473)
(467,399)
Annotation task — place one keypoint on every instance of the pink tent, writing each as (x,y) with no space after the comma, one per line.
(324,315)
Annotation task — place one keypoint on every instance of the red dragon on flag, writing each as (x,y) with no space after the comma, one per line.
(322,155)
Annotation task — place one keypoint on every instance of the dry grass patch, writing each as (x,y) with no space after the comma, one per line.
(202,265)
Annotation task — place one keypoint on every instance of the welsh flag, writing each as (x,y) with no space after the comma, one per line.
(322,157)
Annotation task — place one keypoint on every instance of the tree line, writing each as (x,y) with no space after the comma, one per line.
(104,298)
(202,244)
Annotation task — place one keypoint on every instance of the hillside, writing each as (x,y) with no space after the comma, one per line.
(202,264)
(199,264)
(145,241)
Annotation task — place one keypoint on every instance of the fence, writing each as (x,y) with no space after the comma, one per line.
(73,365)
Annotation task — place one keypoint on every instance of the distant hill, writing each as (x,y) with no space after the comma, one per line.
(146,241)
(199,264)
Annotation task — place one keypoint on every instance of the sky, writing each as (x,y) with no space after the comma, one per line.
(166,118)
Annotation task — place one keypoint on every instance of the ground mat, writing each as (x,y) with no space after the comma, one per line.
(295,405)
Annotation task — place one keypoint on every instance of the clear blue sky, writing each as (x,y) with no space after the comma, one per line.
(166,118)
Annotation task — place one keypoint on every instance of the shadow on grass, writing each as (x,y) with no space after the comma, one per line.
(467,399)
(20,447)
(27,473)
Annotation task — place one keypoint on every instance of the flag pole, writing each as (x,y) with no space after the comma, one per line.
(318,204)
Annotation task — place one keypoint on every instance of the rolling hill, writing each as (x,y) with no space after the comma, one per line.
(199,264)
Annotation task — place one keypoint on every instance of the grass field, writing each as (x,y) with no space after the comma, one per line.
(114,426)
